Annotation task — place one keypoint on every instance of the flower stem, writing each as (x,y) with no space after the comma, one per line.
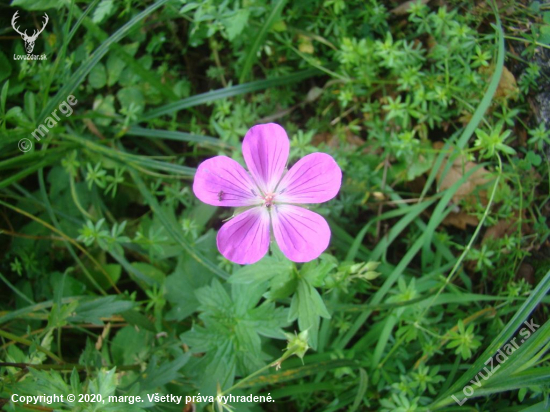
(289,352)
(27,342)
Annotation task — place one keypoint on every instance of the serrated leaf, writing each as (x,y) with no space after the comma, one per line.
(157,376)
(268,320)
(214,298)
(316,270)
(130,345)
(235,23)
(104,383)
(221,368)
(181,286)
(102,10)
(234,320)
(264,270)
(308,307)
(98,76)
(43,382)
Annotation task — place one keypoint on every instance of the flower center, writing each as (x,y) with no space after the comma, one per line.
(268,199)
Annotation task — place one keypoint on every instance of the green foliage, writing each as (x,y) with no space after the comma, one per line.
(112,282)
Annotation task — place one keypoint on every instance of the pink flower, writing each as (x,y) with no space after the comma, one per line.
(271,197)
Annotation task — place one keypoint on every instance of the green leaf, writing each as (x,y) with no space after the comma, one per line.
(43,382)
(533,158)
(220,367)
(5,67)
(98,76)
(102,11)
(159,375)
(135,318)
(308,307)
(103,384)
(235,321)
(153,274)
(130,345)
(214,298)
(545,35)
(267,320)
(115,66)
(4,96)
(235,23)
(180,292)
(316,270)
(131,95)
(361,389)
(91,311)
(262,271)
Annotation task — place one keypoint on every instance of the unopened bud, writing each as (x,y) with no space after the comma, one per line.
(371,266)
(297,344)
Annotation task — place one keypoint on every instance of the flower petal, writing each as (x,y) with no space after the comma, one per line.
(221,181)
(265,151)
(315,178)
(302,235)
(245,238)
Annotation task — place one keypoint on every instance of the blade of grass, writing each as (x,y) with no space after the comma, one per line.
(361,389)
(409,209)
(128,159)
(81,19)
(440,209)
(20,162)
(178,136)
(474,236)
(228,92)
(259,38)
(400,226)
(443,299)
(538,376)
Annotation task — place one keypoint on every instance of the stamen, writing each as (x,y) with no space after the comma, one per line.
(269,199)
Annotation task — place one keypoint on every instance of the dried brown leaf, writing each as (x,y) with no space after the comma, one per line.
(460,167)
(460,220)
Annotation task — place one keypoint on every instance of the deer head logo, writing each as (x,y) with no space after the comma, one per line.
(29,40)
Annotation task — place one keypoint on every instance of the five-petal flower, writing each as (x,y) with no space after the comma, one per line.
(271,197)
